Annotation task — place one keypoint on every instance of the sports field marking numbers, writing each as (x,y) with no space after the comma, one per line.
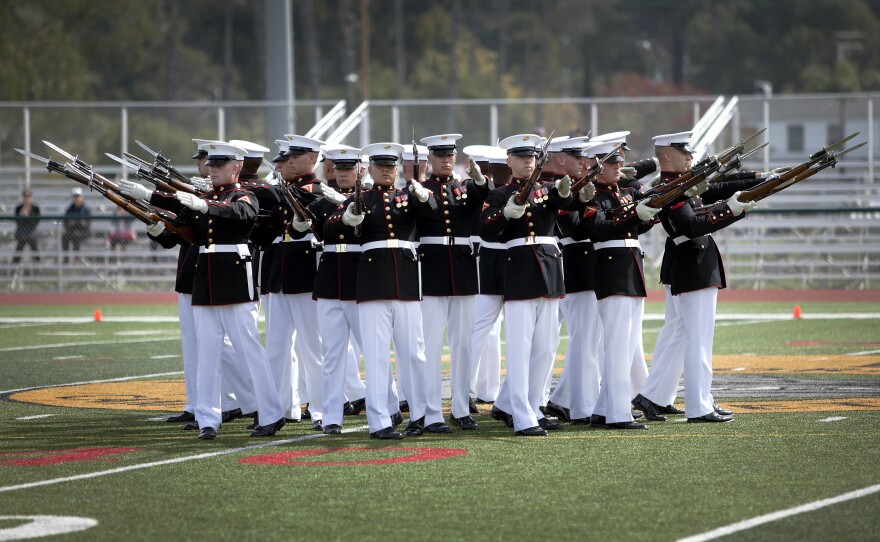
(36,417)
(832,419)
(39,526)
(207,455)
(767,518)
(42,458)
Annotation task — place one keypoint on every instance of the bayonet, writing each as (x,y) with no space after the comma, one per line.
(122,161)
(74,159)
(51,165)
(158,156)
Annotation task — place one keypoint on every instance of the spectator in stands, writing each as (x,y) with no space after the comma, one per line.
(27,218)
(122,233)
(77,223)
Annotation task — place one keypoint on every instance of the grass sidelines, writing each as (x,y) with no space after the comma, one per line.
(144,479)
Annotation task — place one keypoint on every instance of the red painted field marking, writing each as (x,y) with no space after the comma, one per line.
(40,458)
(418,455)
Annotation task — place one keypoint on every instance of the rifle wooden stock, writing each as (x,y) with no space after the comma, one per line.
(523,193)
(302,213)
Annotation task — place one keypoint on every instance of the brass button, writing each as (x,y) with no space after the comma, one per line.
(387,208)
(215,197)
(369,259)
(237,262)
(628,234)
(307,251)
(391,234)
(529,213)
(609,257)
(448,230)
(388,217)
(447,221)
(210,230)
(341,236)
(210,220)
(390,226)
(210,241)
(531,225)
(445,211)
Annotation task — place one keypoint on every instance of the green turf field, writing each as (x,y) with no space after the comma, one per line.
(140,478)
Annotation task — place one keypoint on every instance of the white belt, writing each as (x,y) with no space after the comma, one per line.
(445,241)
(531,240)
(565,241)
(684,238)
(342,247)
(310,237)
(389,243)
(488,244)
(241,250)
(618,243)
(476,239)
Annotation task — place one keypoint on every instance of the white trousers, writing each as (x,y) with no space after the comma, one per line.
(578,386)
(486,347)
(381,323)
(552,348)
(455,314)
(697,313)
(236,385)
(621,329)
(293,341)
(340,325)
(667,363)
(354,385)
(528,327)
(238,322)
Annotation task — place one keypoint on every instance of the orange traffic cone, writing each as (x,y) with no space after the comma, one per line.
(97,315)
(797,311)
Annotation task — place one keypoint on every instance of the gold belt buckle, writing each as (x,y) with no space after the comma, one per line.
(342,247)
(450,240)
(210,249)
(286,237)
(393,243)
(531,240)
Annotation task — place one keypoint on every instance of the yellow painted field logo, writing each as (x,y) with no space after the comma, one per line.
(161,395)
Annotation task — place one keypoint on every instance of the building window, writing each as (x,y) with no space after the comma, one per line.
(795,138)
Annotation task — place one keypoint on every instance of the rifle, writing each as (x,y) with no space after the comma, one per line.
(136,208)
(595,169)
(358,200)
(301,212)
(152,177)
(160,160)
(159,171)
(523,193)
(415,175)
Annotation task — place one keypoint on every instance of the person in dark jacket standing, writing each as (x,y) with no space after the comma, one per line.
(77,222)
(533,282)
(224,297)
(27,218)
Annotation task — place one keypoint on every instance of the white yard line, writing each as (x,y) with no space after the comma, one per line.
(865,353)
(207,455)
(86,343)
(121,379)
(36,417)
(832,419)
(767,518)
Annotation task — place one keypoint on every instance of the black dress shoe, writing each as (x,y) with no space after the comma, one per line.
(438,427)
(357,406)
(414,428)
(253,425)
(386,434)
(290,420)
(207,433)
(229,415)
(403,406)
(396,419)
(498,414)
(253,415)
(649,407)
(484,402)
(669,409)
(544,423)
(182,417)
(268,430)
(710,418)
(721,411)
(332,429)
(561,413)
(597,421)
(580,421)
(532,432)
(625,425)
(465,423)
(192,426)
(472,406)
(346,408)
(317,425)
(306,415)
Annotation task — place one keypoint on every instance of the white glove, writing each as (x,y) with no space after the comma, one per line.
(202,184)
(563,187)
(628,171)
(331,195)
(474,171)
(781,170)
(697,189)
(192,201)
(645,212)
(738,207)
(156,229)
(587,193)
(134,190)
(420,191)
(301,225)
(512,210)
(351,219)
